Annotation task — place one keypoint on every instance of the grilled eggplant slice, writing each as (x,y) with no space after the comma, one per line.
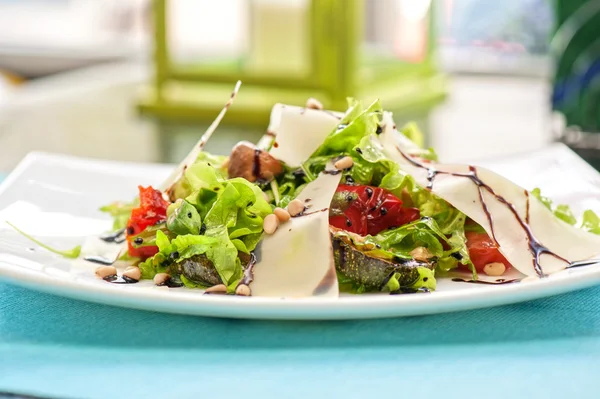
(199,269)
(373,268)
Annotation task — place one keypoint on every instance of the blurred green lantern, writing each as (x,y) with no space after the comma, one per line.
(293,50)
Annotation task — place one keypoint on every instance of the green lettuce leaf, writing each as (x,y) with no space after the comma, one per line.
(184,219)
(357,123)
(120,212)
(413,133)
(230,215)
(426,280)
(426,233)
(217,247)
(590,221)
(196,177)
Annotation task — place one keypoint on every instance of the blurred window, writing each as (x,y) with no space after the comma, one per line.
(508,36)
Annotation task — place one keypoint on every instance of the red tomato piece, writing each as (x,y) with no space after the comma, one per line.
(152,210)
(482,250)
(373,211)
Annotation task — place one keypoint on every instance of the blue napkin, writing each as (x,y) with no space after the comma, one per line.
(63,348)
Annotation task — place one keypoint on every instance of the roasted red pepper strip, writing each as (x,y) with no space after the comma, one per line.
(372,210)
(482,250)
(152,209)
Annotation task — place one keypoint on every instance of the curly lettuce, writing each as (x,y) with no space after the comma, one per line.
(218,218)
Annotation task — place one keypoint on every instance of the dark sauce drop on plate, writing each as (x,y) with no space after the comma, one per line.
(171,283)
(101,260)
(120,279)
(117,237)
(499,281)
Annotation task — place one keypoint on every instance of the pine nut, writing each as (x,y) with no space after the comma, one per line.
(242,290)
(216,289)
(105,271)
(161,278)
(270,224)
(133,272)
(494,269)
(313,103)
(421,253)
(295,207)
(282,214)
(344,163)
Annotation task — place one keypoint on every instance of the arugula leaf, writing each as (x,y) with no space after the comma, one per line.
(563,212)
(69,253)
(537,193)
(120,212)
(591,222)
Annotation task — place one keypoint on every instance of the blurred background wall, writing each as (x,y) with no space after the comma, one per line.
(139,80)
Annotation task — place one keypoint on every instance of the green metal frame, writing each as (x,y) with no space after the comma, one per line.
(335,73)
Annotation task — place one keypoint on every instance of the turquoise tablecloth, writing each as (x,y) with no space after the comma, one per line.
(65,348)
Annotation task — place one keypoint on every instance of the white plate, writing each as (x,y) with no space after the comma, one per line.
(57,198)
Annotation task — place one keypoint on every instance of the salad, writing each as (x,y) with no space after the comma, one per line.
(330,202)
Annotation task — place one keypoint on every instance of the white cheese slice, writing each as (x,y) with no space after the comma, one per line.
(298,132)
(297,260)
(565,241)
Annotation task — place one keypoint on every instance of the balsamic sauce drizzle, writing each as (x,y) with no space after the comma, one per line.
(249,271)
(499,281)
(535,246)
(120,279)
(332,114)
(117,237)
(101,260)
(304,213)
(256,163)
